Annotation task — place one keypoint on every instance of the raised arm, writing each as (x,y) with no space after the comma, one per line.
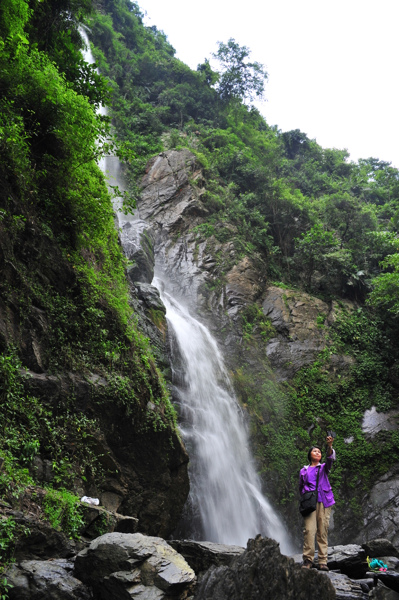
(330,453)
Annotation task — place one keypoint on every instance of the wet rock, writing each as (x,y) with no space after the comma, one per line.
(35,580)
(349,559)
(117,564)
(380,547)
(381,510)
(381,592)
(150,295)
(349,589)
(390,579)
(203,555)
(138,244)
(262,572)
(295,316)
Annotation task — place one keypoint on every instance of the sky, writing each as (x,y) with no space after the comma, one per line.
(332,65)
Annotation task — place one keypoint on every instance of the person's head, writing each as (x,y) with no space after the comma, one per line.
(314,454)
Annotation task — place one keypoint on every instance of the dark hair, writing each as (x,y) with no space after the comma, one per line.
(310,450)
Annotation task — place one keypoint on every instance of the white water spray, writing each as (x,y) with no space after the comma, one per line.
(224,487)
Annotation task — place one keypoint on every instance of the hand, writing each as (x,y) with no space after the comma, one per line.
(329,440)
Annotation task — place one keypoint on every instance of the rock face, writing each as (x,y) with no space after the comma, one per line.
(138,473)
(382,509)
(223,286)
(120,566)
(166,197)
(147,472)
(299,322)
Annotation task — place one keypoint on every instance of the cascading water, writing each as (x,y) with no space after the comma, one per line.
(224,487)
(225,490)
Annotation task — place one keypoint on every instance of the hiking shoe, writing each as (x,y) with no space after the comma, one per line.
(307,564)
(323,568)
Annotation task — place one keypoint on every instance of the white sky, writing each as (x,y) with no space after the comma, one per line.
(332,65)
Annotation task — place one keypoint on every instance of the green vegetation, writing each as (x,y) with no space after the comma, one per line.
(315,219)
(305,216)
(287,419)
(255,322)
(64,511)
(64,306)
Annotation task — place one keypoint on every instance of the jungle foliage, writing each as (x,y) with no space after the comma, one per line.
(64,293)
(313,218)
(316,220)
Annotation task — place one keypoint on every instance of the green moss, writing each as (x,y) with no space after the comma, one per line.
(254,322)
(64,511)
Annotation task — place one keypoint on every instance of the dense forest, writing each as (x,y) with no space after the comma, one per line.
(309,217)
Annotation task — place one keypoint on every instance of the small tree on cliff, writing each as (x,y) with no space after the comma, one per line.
(314,250)
(238,78)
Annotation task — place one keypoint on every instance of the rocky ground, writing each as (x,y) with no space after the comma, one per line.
(119,566)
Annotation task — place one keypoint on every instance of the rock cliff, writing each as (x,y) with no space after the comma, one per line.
(99,427)
(267,333)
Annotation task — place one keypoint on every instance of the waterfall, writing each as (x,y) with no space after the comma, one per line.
(225,490)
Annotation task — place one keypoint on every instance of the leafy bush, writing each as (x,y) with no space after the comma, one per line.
(64,512)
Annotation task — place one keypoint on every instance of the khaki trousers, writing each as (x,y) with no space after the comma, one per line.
(317,522)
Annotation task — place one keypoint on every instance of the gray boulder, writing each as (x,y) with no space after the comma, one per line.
(349,589)
(380,547)
(261,571)
(203,555)
(349,559)
(119,566)
(381,592)
(390,579)
(35,580)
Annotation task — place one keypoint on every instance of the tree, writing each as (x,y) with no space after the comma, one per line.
(385,292)
(313,251)
(239,78)
(295,142)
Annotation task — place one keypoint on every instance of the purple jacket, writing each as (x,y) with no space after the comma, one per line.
(307,481)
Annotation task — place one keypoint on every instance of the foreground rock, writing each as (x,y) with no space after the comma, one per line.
(203,555)
(350,560)
(350,575)
(349,589)
(262,572)
(35,580)
(118,566)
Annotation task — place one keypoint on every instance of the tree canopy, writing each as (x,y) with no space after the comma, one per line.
(239,78)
